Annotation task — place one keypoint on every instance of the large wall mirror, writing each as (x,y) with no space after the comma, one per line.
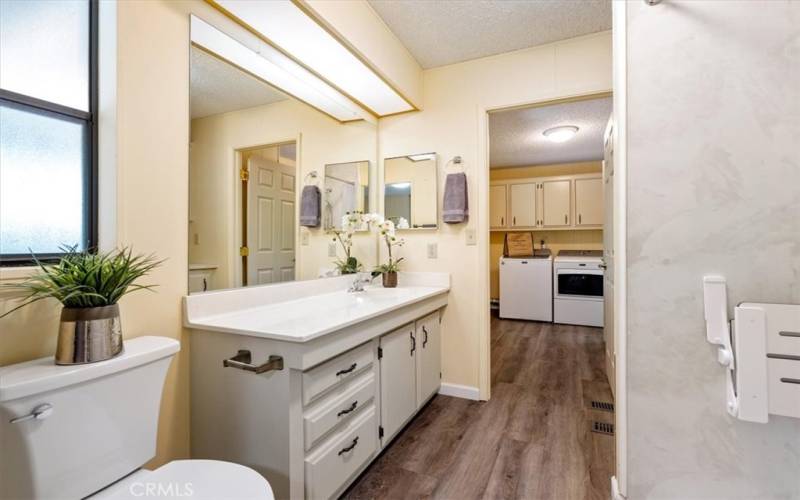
(410,190)
(253,148)
(346,190)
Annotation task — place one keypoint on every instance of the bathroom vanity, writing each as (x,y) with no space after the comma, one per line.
(307,382)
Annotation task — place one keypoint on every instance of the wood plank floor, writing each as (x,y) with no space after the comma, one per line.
(531,440)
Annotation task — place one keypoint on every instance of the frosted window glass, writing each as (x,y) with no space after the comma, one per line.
(41,182)
(44,50)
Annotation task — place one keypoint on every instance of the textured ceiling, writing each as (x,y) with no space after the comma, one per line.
(516,135)
(446,32)
(217,87)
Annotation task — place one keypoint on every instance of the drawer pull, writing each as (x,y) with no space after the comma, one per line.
(787,380)
(349,448)
(413,342)
(425,340)
(243,361)
(345,412)
(789,334)
(348,370)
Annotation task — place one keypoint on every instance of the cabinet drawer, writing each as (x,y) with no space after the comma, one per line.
(336,460)
(338,406)
(343,367)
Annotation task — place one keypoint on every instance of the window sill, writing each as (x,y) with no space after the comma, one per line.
(17,272)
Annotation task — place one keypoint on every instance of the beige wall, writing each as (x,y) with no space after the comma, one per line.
(450,125)
(321,141)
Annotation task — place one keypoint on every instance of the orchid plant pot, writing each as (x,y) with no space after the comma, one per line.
(389,279)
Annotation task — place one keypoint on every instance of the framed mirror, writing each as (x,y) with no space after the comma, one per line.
(410,190)
(346,190)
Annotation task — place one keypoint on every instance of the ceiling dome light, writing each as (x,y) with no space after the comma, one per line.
(561,134)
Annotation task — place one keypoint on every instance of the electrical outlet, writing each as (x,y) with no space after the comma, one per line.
(304,238)
(471,237)
(331,249)
(433,250)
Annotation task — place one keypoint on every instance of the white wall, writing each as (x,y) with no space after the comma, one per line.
(453,123)
(713,187)
(322,140)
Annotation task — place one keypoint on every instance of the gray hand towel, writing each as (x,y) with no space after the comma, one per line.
(456,204)
(310,202)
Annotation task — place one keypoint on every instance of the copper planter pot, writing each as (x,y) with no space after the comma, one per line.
(390,280)
(89,335)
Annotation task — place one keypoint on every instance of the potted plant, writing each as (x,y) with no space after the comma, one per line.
(389,270)
(88,285)
(351,222)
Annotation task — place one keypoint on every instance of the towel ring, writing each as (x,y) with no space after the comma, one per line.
(313,174)
(456,160)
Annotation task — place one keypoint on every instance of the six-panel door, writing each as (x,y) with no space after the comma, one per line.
(398,379)
(429,352)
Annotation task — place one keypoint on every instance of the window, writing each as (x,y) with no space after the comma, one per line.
(48,128)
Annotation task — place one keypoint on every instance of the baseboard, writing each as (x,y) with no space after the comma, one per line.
(615,494)
(460,391)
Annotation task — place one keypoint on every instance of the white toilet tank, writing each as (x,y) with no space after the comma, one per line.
(100,426)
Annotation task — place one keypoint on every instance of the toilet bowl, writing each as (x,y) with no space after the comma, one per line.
(86,431)
(195,479)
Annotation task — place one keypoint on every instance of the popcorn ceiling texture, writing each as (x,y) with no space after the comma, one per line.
(441,33)
(516,137)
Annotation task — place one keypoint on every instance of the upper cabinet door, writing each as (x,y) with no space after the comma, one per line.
(556,203)
(589,201)
(398,379)
(497,206)
(523,205)
(429,357)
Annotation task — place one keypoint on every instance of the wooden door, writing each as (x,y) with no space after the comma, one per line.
(398,379)
(608,259)
(589,201)
(523,205)
(556,203)
(497,206)
(271,218)
(429,357)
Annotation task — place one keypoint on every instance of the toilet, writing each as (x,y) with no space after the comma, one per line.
(86,431)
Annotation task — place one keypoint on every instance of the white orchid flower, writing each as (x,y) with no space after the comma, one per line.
(402,223)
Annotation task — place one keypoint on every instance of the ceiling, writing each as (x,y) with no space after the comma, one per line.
(446,32)
(217,87)
(516,135)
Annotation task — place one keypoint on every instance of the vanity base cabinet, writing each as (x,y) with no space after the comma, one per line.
(311,430)
(429,358)
(398,380)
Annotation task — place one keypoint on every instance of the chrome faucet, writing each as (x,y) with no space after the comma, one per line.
(358,285)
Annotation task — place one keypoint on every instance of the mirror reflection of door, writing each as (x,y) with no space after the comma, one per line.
(269,227)
(397,201)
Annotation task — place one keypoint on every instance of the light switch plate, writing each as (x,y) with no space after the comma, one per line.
(331,249)
(433,250)
(471,237)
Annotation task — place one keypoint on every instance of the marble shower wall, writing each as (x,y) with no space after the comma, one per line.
(713,187)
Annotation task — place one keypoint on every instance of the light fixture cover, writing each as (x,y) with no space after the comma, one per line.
(561,134)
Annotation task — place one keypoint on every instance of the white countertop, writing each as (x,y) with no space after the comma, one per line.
(300,319)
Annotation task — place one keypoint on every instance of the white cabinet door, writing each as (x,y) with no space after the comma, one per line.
(398,379)
(497,206)
(555,203)
(429,357)
(523,205)
(589,201)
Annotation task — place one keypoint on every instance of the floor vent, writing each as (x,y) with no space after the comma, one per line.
(603,428)
(602,405)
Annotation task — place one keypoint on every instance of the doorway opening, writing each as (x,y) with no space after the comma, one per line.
(550,269)
(266,215)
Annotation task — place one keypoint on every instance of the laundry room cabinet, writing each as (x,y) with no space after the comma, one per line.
(547,203)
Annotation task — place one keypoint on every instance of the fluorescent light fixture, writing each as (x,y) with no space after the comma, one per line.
(424,157)
(284,24)
(400,185)
(278,70)
(561,134)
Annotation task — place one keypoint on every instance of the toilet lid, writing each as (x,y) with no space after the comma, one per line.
(195,479)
